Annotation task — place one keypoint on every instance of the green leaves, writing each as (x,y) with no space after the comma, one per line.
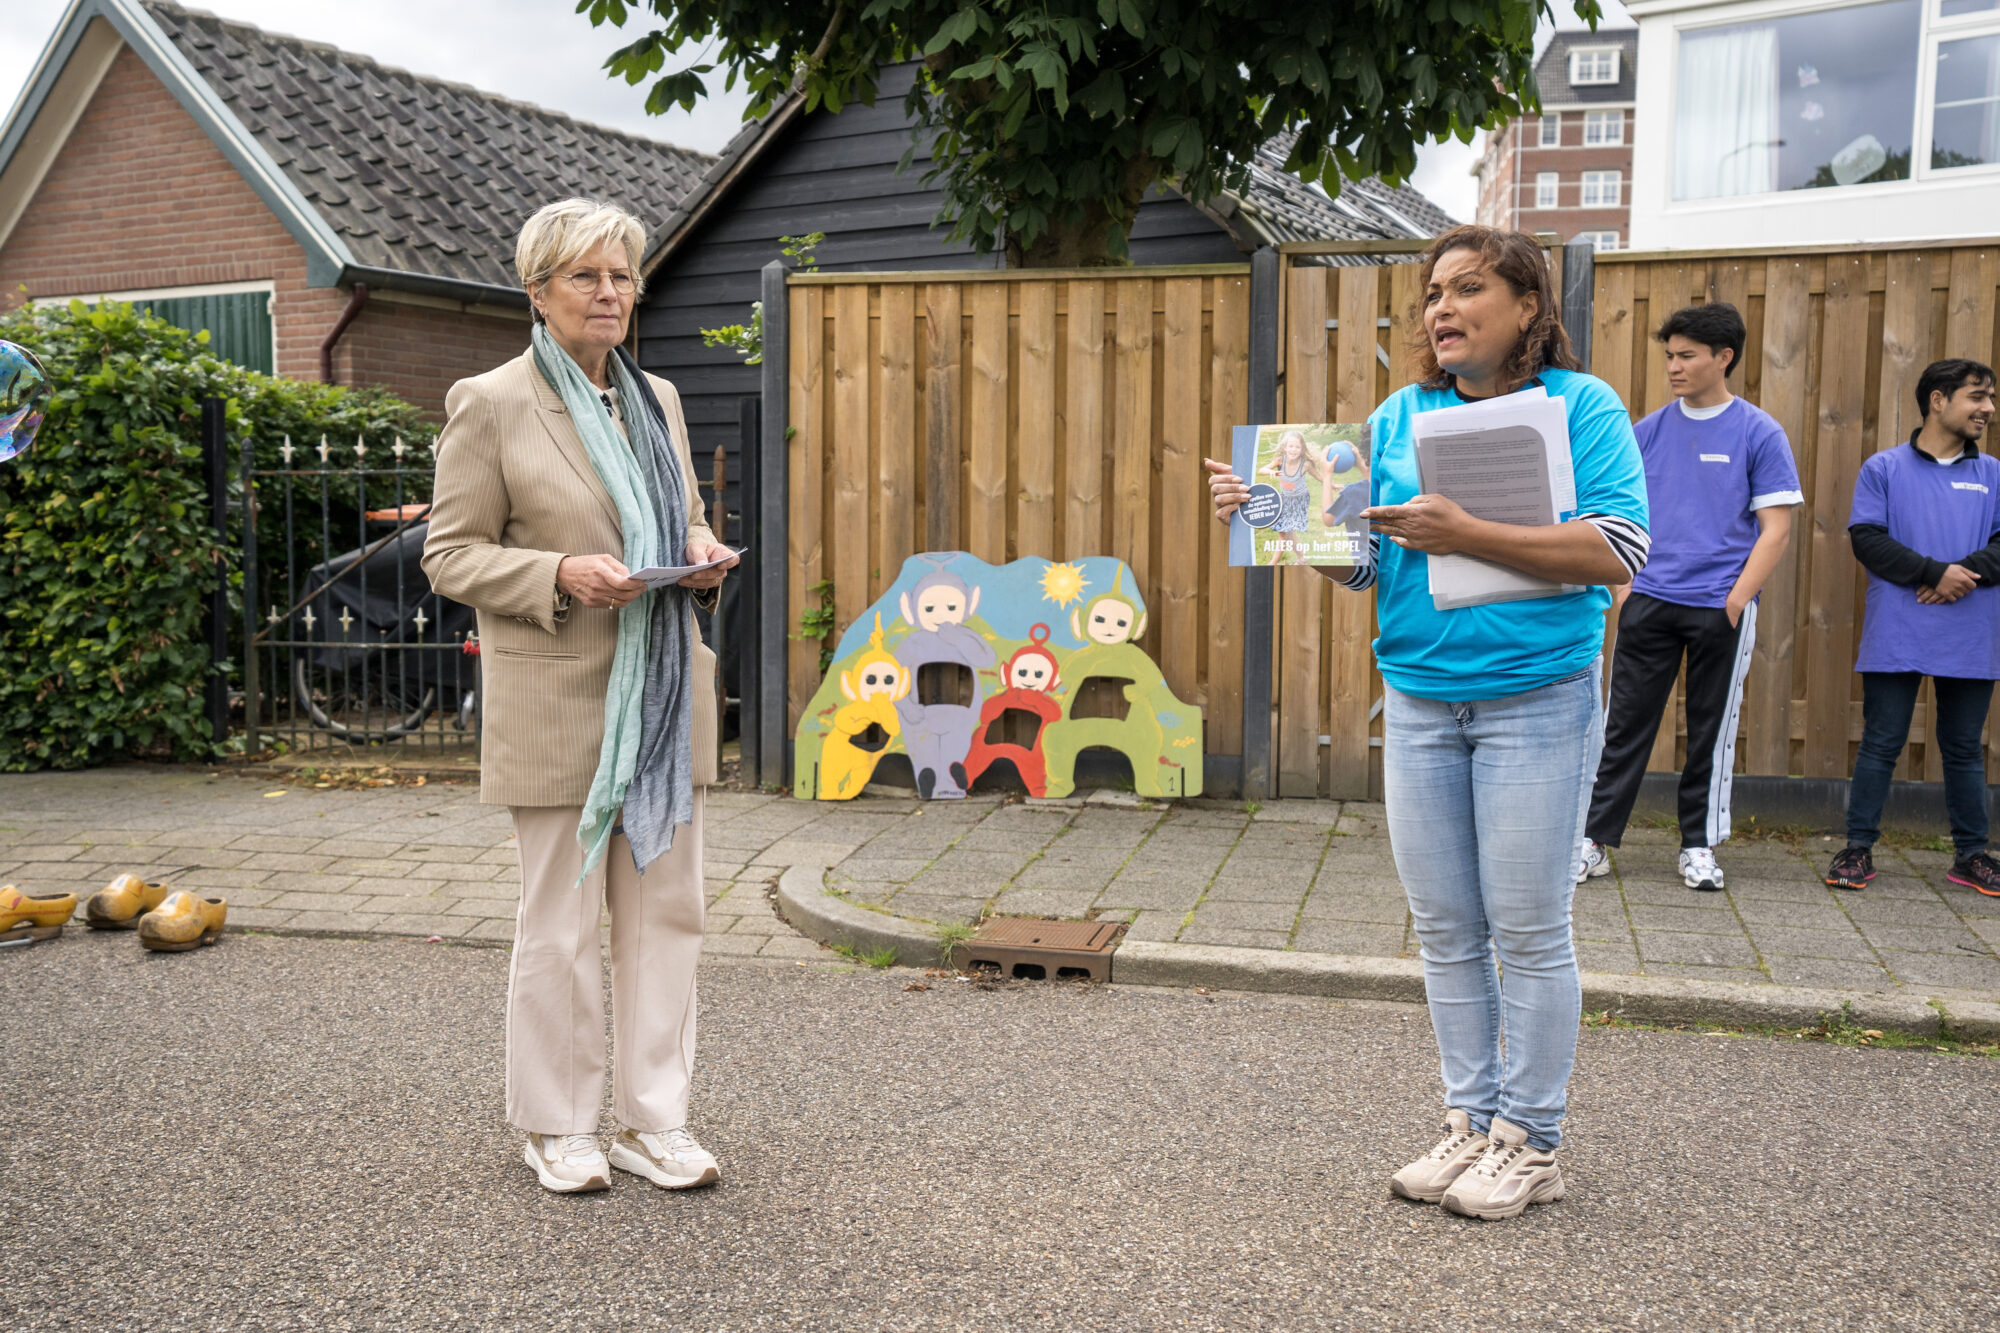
(1046,121)
(108,555)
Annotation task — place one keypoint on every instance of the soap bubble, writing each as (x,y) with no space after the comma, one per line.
(24,393)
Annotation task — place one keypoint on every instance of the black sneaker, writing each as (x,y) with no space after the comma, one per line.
(1852,868)
(1977,871)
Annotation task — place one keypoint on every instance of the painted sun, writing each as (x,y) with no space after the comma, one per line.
(1063,584)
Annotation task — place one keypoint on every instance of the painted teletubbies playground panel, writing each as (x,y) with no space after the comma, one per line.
(963,666)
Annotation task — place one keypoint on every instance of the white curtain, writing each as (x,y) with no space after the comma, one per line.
(1726,117)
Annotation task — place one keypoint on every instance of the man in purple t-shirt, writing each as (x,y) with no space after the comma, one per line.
(1925,524)
(1720,483)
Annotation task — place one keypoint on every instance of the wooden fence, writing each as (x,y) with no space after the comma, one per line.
(1058,414)
(1837,339)
(1066,414)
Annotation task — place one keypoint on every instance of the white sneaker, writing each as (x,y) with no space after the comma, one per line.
(1699,870)
(1592,861)
(1427,1178)
(1508,1177)
(567,1163)
(670,1159)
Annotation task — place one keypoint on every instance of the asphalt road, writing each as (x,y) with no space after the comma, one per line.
(292,1133)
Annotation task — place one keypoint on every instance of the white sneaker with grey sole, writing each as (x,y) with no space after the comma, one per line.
(567,1163)
(1593,861)
(670,1159)
(1699,870)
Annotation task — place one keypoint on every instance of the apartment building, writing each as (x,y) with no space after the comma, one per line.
(1569,170)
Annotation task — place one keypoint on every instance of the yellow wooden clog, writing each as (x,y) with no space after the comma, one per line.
(120,904)
(184,921)
(25,917)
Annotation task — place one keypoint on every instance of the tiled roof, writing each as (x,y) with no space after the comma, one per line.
(418,175)
(1552,68)
(1285,208)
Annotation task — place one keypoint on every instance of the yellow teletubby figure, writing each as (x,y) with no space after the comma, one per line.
(873,685)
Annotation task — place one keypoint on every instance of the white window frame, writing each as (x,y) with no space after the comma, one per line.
(1576,60)
(266,286)
(1938,30)
(1596,181)
(1549,121)
(1605,123)
(1548,186)
(1600,241)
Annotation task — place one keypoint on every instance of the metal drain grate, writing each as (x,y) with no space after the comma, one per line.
(1043,949)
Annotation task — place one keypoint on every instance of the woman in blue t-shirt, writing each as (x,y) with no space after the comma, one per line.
(1492,718)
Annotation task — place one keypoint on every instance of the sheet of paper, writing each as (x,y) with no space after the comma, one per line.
(666,576)
(1506,460)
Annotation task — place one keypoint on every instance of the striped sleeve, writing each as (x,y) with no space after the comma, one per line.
(1362,577)
(1629,541)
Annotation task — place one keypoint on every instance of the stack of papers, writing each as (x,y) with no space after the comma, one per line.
(666,576)
(1505,460)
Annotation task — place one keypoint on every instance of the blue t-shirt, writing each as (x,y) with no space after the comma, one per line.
(1945,511)
(1705,480)
(1506,648)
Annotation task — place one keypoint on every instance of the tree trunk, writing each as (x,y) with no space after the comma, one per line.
(1086,242)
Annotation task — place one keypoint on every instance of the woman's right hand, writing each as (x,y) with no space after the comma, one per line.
(1226,488)
(597,580)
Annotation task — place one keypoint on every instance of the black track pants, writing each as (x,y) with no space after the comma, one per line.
(1652,636)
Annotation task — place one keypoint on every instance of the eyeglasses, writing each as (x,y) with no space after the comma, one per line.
(585,281)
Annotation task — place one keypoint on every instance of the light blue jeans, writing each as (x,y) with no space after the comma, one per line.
(1486,803)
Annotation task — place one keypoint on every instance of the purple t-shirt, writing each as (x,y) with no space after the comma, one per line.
(1705,480)
(1945,511)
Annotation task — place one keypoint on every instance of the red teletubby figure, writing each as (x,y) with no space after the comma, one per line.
(1027,678)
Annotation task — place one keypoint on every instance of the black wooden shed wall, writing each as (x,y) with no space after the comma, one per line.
(836,174)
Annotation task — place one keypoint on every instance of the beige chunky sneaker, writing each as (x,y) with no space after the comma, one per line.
(1427,1178)
(1508,1177)
(670,1159)
(567,1163)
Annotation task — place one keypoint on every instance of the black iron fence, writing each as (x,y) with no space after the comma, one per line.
(345,643)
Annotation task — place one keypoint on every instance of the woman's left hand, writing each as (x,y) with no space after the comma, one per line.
(700,553)
(1428,523)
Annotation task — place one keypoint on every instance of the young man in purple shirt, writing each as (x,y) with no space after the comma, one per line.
(1925,524)
(1720,483)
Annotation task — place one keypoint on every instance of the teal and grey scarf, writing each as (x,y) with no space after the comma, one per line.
(646,765)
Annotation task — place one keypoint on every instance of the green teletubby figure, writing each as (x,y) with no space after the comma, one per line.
(1156,724)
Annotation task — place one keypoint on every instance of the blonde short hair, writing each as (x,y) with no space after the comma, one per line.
(561,233)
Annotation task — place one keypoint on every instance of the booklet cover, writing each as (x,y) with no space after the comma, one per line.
(1308,486)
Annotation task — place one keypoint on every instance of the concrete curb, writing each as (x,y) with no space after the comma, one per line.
(805,903)
(833,920)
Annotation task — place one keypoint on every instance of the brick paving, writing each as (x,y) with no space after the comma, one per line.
(1300,875)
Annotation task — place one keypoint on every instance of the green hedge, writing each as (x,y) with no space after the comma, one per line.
(109,556)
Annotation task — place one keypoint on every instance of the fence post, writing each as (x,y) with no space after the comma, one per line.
(253,691)
(1579,278)
(1258,586)
(214,457)
(749,651)
(773,526)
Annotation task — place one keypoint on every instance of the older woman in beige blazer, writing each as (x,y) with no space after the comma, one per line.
(525,530)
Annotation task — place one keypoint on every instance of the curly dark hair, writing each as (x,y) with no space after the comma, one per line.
(1516,259)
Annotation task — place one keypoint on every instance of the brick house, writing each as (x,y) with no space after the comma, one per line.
(1569,170)
(323,216)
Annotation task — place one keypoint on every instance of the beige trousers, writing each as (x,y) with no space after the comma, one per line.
(555,987)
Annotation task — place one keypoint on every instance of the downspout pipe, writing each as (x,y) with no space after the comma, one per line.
(356,299)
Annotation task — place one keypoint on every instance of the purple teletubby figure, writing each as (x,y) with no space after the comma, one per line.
(938,735)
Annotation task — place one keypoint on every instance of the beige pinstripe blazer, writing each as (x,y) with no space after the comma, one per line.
(515,493)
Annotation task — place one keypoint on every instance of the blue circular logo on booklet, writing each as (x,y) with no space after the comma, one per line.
(1261,509)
